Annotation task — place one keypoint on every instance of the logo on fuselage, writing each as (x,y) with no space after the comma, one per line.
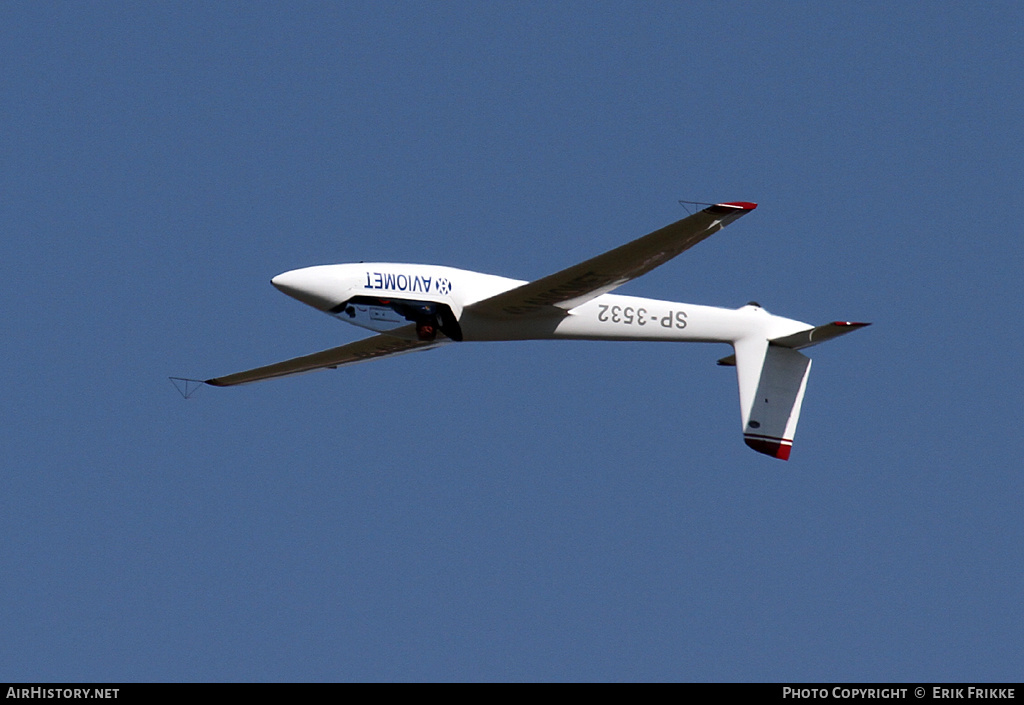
(391,281)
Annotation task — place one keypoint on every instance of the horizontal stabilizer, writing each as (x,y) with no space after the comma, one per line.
(806,338)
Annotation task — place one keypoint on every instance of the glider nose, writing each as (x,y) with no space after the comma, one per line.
(311,286)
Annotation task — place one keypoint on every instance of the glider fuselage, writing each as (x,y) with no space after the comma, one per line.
(366,295)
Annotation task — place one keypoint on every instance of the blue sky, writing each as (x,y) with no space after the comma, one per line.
(521,511)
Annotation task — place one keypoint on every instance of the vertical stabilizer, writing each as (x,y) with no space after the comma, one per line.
(772,381)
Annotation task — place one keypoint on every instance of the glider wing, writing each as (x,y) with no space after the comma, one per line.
(557,293)
(360,351)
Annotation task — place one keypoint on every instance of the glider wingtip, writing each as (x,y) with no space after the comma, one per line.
(738,207)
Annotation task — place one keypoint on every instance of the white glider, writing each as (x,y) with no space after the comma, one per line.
(417,307)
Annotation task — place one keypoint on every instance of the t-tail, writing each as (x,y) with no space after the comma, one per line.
(772,376)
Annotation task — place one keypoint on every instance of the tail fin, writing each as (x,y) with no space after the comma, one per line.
(772,381)
(772,378)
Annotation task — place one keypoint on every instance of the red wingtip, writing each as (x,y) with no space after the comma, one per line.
(775,447)
(851,324)
(737,208)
